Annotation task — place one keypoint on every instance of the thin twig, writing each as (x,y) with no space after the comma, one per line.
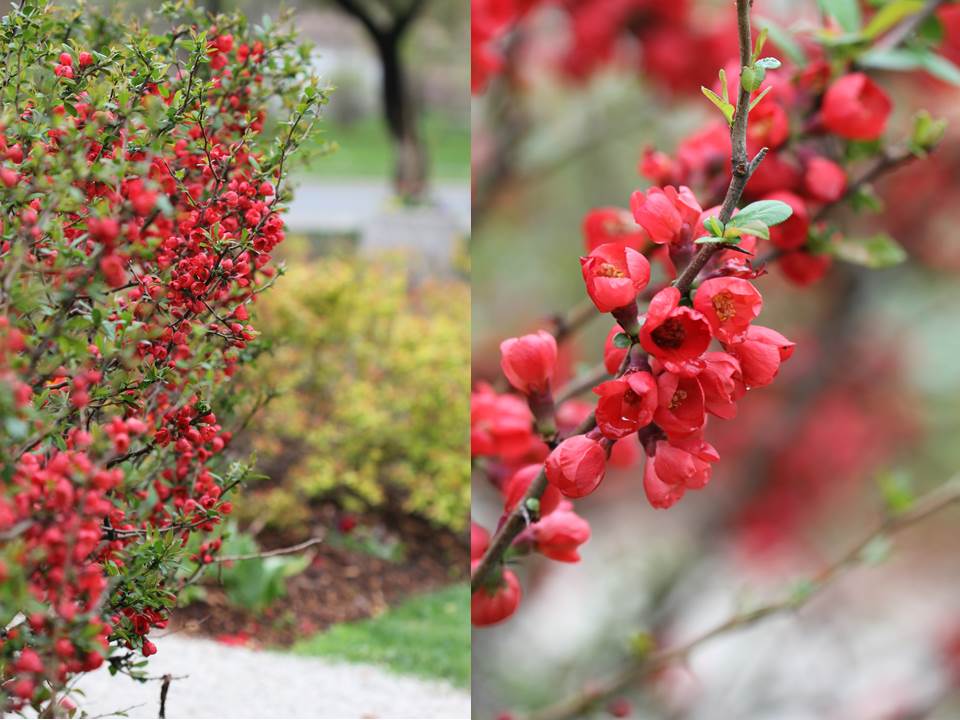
(933,502)
(271,553)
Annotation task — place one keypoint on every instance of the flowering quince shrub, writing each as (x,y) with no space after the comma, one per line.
(678,272)
(140,202)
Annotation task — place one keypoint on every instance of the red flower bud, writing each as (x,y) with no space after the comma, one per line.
(479,541)
(856,108)
(729,304)
(560,534)
(612,355)
(611,224)
(792,232)
(685,463)
(517,485)
(85,59)
(804,268)
(490,606)
(614,275)
(824,180)
(576,466)
(529,362)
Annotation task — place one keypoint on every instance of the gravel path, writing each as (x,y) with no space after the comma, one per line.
(232,682)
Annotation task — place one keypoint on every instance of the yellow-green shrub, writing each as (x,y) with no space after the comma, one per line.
(372,381)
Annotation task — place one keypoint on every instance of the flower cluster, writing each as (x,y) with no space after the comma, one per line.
(676,272)
(138,211)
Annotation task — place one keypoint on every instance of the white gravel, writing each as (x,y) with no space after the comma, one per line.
(231,682)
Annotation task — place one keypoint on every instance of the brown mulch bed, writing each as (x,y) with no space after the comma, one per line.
(340,584)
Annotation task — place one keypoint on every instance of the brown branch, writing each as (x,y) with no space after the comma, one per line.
(925,506)
(740,165)
(581,384)
(271,553)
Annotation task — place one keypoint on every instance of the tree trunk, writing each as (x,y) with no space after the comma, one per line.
(400,112)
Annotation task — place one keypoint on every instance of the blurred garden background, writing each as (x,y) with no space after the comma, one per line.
(865,415)
(354,412)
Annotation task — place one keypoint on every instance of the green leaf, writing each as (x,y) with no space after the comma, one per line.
(768,63)
(759,97)
(750,227)
(768,212)
(897,490)
(725,107)
(894,59)
(622,340)
(879,251)
(941,68)
(784,40)
(845,12)
(889,15)
(707,239)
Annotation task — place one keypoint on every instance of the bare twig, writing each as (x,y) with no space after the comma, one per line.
(271,553)
(933,502)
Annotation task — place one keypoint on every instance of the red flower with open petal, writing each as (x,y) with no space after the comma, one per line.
(626,404)
(722,384)
(686,463)
(760,355)
(681,409)
(501,425)
(517,485)
(729,304)
(614,274)
(529,361)
(559,536)
(660,495)
(672,333)
(612,224)
(856,108)
(576,466)
(489,606)
(667,214)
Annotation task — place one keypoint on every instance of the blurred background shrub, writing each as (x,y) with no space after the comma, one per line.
(368,380)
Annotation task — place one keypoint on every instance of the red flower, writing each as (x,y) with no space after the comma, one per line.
(529,362)
(479,541)
(490,606)
(730,304)
(559,535)
(804,268)
(626,404)
(576,466)
(612,355)
(113,272)
(660,495)
(673,334)
(769,126)
(668,215)
(681,409)
(686,463)
(722,384)
(612,224)
(517,485)
(856,108)
(824,180)
(760,355)
(500,425)
(148,648)
(791,234)
(614,275)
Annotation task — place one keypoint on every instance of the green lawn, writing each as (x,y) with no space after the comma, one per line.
(364,149)
(428,635)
